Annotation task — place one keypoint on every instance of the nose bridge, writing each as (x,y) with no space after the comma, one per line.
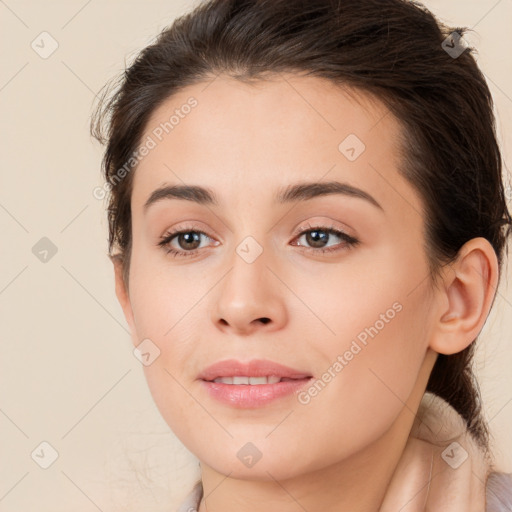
(247,295)
(248,279)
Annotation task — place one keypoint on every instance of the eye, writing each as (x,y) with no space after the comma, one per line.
(188,239)
(318,237)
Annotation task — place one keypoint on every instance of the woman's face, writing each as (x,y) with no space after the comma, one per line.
(347,314)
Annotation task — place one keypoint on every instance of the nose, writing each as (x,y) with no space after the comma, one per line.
(250,298)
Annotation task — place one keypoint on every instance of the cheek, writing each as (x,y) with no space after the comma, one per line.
(369,358)
(364,383)
(167,311)
(161,300)
(197,428)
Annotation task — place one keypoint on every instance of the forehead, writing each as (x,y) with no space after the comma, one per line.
(230,135)
(295,109)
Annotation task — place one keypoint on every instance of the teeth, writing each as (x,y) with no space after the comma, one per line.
(253,381)
(224,380)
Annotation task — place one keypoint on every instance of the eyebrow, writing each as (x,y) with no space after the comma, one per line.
(302,191)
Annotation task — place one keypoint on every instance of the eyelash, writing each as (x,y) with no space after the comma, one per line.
(349,241)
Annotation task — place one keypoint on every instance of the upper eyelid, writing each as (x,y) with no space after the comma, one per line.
(300,230)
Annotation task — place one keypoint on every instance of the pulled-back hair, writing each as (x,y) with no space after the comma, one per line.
(396,51)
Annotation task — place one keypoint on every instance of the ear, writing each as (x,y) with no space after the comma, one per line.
(465,297)
(122,292)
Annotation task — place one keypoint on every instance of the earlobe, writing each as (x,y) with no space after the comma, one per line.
(122,292)
(465,297)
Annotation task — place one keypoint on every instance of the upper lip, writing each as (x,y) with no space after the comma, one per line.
(253,368)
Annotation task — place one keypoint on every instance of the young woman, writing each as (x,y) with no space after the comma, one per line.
(307,225)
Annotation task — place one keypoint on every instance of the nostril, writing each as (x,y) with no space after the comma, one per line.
(265,320)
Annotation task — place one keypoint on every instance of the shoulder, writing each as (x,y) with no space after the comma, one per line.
(499,492)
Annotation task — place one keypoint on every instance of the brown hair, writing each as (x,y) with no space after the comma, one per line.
(393,49)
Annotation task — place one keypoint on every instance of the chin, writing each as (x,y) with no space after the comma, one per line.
(260,460)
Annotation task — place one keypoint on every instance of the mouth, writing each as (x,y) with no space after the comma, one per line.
(254,369)
(238,380)
(252,384)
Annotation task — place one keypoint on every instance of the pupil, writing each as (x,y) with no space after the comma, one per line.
(190,237)
(316,239)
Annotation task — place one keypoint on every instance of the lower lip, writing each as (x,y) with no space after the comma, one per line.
(246,396)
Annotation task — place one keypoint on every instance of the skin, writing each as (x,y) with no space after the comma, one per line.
(245,142)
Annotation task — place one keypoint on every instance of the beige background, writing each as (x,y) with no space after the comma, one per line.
(68,375)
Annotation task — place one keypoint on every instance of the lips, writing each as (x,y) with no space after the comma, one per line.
(252,369)
(253,384)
